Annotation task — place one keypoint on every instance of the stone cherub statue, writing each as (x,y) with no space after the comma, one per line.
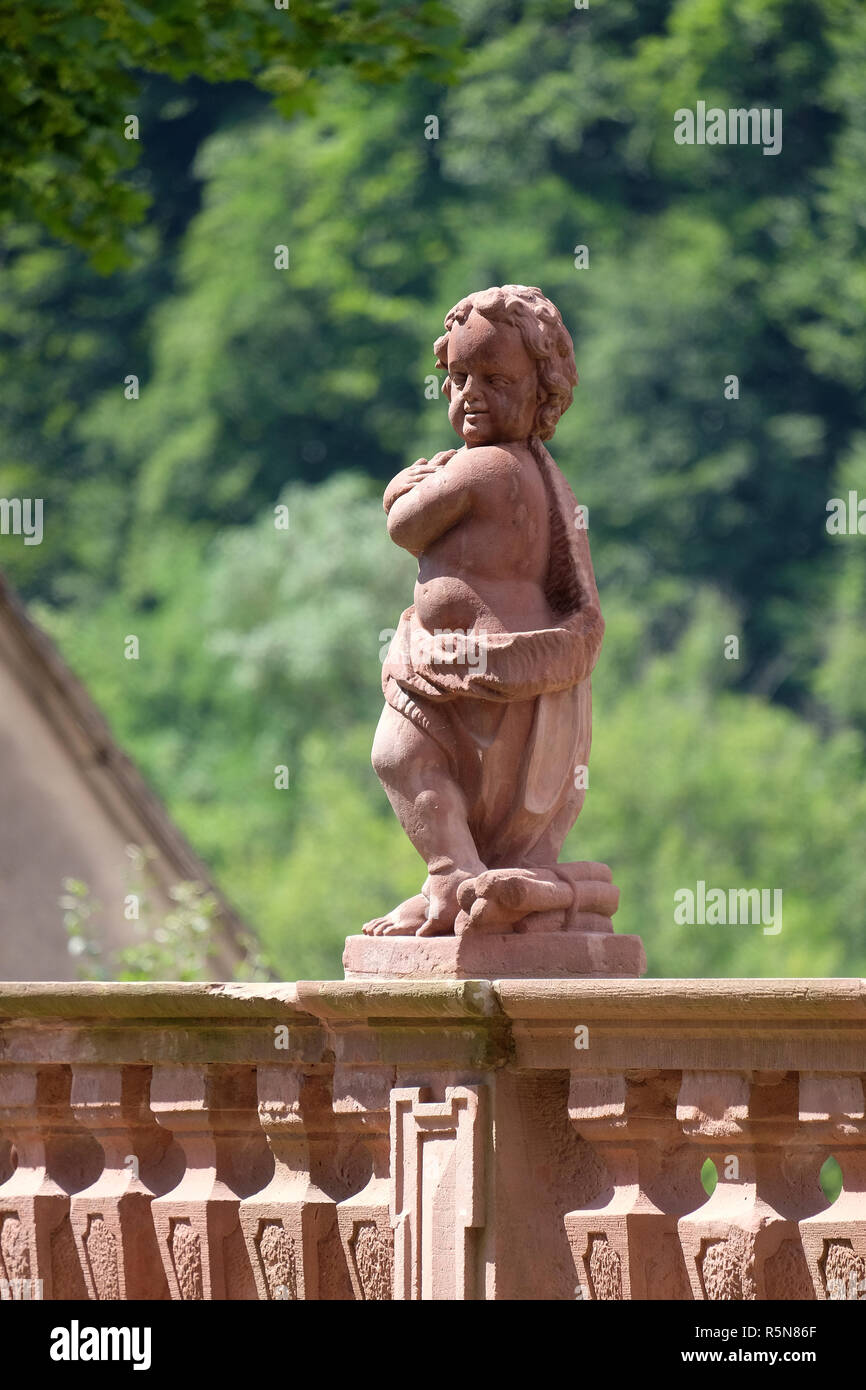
(484,739)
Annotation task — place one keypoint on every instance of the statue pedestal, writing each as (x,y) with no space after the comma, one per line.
(516,956)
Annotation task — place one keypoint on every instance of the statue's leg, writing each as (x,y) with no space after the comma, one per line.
(432,810)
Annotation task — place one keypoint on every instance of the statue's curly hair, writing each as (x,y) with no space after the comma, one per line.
(545,338)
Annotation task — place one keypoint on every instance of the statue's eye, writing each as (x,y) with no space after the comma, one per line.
(459,378)
(499,380)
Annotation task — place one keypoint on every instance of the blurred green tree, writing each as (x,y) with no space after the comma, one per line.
(69,85)
(265,652)
(260,386)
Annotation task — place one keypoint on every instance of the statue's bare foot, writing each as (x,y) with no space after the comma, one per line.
(443,905)
(404,920)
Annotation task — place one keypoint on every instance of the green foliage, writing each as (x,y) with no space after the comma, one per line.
(689,780)
(247,384)
(68,79)
(709,1176)
(178,947)
(80,912)
(174,945)
(838,680)
(704,263)
(306,387)
(831,1178)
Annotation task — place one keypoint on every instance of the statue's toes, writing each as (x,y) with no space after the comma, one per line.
(396,929)
(467,893)
(400,921)
(484,916)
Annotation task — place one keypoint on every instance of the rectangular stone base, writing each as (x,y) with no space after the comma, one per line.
(528,955)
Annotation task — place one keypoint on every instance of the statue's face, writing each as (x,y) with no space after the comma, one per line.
(494,383)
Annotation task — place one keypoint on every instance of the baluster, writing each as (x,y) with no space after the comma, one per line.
(834,1240)
(364,1218)
(111,1219)
(38,1258)
(212,1112)
(290,1227)
(740,1244)
(626,1246)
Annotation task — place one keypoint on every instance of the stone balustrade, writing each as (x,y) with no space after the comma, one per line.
(519,1139)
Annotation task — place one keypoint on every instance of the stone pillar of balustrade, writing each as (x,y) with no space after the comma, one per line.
(744,1242)
(53,1158)
(211,1112)
(411,1087)
(626,1245)
(834,1240)
(483,1162)
(361,1103)
(290,1226)
(111,1219)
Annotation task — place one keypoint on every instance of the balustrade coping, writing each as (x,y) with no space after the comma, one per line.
(751,1000)
(568,1123)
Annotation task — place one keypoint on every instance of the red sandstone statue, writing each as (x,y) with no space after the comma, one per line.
(484,739)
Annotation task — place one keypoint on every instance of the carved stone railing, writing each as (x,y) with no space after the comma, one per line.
(520,1139)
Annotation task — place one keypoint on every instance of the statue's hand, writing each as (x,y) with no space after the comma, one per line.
(422,468)
(416,473)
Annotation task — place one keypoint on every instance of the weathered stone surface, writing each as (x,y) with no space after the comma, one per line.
(534,1150)
(572,955)
(483,744)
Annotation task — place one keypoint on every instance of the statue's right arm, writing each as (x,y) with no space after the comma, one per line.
(431,508)
(409,477)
